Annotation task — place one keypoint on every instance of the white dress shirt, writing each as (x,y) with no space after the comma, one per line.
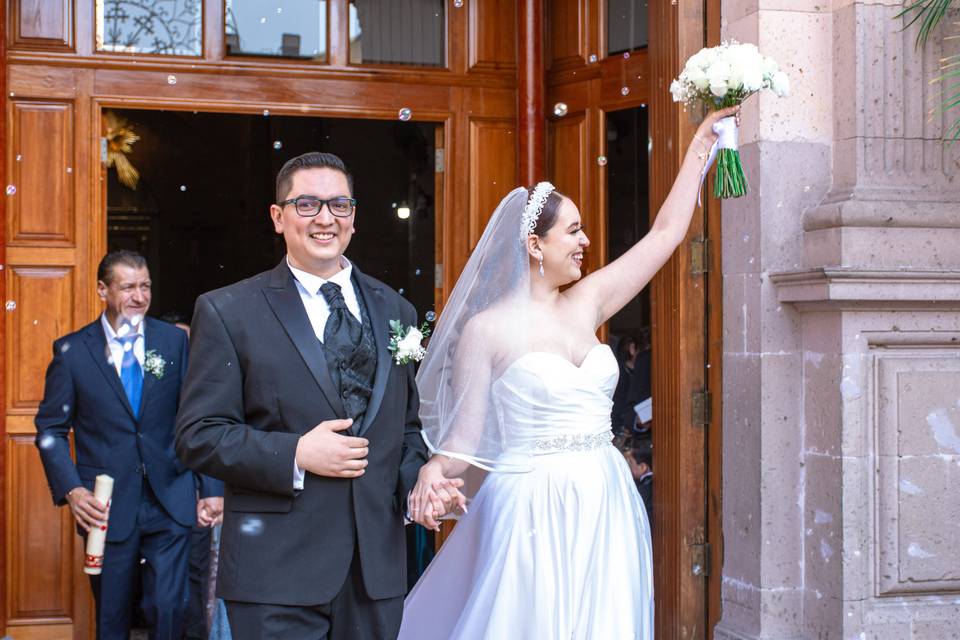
(308,285)
(115,346)
(313,301)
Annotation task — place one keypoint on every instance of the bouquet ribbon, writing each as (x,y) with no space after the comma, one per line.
(727,138)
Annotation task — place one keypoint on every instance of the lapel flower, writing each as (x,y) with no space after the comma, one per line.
(154,364)
(405,342)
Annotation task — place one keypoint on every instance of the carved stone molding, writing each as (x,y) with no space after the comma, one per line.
(843,289)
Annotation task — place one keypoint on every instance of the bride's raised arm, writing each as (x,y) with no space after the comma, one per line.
(609,289)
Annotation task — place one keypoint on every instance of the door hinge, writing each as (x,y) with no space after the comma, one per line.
(699,256)
(700,565)
(438,161)
(701,407)
(103,151)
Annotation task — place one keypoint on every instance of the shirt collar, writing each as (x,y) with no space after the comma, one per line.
(312,283)
(112,335)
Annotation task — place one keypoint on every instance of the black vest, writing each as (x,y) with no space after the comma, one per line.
(353,366)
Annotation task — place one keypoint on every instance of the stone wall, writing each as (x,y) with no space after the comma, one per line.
(842,336)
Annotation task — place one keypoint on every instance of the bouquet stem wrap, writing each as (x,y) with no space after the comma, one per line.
(730,181)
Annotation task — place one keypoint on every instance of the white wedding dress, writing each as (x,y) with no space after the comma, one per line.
(560,552)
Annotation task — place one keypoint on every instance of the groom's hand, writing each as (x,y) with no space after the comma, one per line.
(325,452)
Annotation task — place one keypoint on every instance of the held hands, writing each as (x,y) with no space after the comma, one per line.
(325,452)
(704,138)
(434,496)
(87,510)
(209,511)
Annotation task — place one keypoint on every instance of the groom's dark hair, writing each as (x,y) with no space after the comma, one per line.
(311,160)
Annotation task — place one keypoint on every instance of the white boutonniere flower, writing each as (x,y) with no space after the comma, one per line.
(405,342)
(154,364)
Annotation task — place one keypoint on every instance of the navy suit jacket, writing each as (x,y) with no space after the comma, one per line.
(83,392)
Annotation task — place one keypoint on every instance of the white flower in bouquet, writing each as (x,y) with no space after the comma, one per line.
(725,76)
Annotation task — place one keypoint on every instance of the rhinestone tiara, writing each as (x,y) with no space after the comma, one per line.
(531,212)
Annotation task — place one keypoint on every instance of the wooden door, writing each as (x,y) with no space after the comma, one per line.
(55,86)
(583,86)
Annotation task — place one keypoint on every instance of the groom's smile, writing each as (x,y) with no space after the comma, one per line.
(315,243)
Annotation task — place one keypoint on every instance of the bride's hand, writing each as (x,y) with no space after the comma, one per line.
(704,138)
(434,496)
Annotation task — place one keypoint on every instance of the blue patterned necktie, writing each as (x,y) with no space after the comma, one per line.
(131,375)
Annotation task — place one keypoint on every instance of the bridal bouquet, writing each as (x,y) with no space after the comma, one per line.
(726,76)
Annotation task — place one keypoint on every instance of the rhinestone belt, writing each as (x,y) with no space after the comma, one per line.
(573,442)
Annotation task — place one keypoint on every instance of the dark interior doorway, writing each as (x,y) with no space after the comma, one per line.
(628,220)
(200,209)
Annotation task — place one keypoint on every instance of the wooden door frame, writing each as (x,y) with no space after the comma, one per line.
(686,308)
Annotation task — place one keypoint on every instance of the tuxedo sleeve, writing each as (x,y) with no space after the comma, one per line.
(414,454)
(207,487)
(54,419)
(212,436)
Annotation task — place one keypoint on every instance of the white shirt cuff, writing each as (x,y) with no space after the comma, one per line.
(298,475)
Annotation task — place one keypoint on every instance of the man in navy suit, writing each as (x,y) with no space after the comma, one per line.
(116,383)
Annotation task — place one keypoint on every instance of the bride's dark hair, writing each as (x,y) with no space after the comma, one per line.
(548,215)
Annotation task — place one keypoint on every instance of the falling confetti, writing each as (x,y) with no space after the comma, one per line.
(405,114)
(171,79)
(65,347)
(11,305)
(602,161)
(46,442)
(592,58)
(624,91)
(183,187)
(458,3)
(430,316)
(277,145)
(11,189)
(560,109)
(626,55)
(266,112)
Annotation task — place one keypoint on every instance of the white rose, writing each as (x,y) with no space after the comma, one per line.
(411,341)
(678,91)
(753,78)
(698,79)
(719,89)
(770,66)
(780,84)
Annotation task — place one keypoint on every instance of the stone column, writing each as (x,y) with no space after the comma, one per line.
(842,336)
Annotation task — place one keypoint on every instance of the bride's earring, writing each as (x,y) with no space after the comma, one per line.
(541,266)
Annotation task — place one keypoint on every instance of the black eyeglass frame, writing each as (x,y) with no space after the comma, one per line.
(320,205)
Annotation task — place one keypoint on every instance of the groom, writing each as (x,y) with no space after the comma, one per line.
(293,400)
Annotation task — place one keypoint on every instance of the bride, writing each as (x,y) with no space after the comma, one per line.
(516,389)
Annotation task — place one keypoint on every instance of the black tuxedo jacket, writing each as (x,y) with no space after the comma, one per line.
(83,392)
(257,381)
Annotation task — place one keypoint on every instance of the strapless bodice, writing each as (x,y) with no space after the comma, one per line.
(543,398)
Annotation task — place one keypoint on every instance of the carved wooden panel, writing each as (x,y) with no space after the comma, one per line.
(493,34)
(566,149)
(493,170)
(44,311)
(917,454)
(40,542)
(42,24)
(567,32)
(40,160)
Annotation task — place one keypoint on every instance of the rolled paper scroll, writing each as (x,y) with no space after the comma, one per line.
(97,538)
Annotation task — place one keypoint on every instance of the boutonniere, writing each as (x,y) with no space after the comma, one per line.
(405,342)
(153,363)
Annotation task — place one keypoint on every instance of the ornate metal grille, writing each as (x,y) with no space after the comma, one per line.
(162,27)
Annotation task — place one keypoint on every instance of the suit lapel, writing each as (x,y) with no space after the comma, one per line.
(151,343)
(96,343)
(284,299)
(376,307)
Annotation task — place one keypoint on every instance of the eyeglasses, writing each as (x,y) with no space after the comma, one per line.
(309,206)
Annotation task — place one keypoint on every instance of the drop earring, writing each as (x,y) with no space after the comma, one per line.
(541,266)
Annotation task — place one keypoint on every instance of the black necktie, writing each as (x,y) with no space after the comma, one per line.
(342,331)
